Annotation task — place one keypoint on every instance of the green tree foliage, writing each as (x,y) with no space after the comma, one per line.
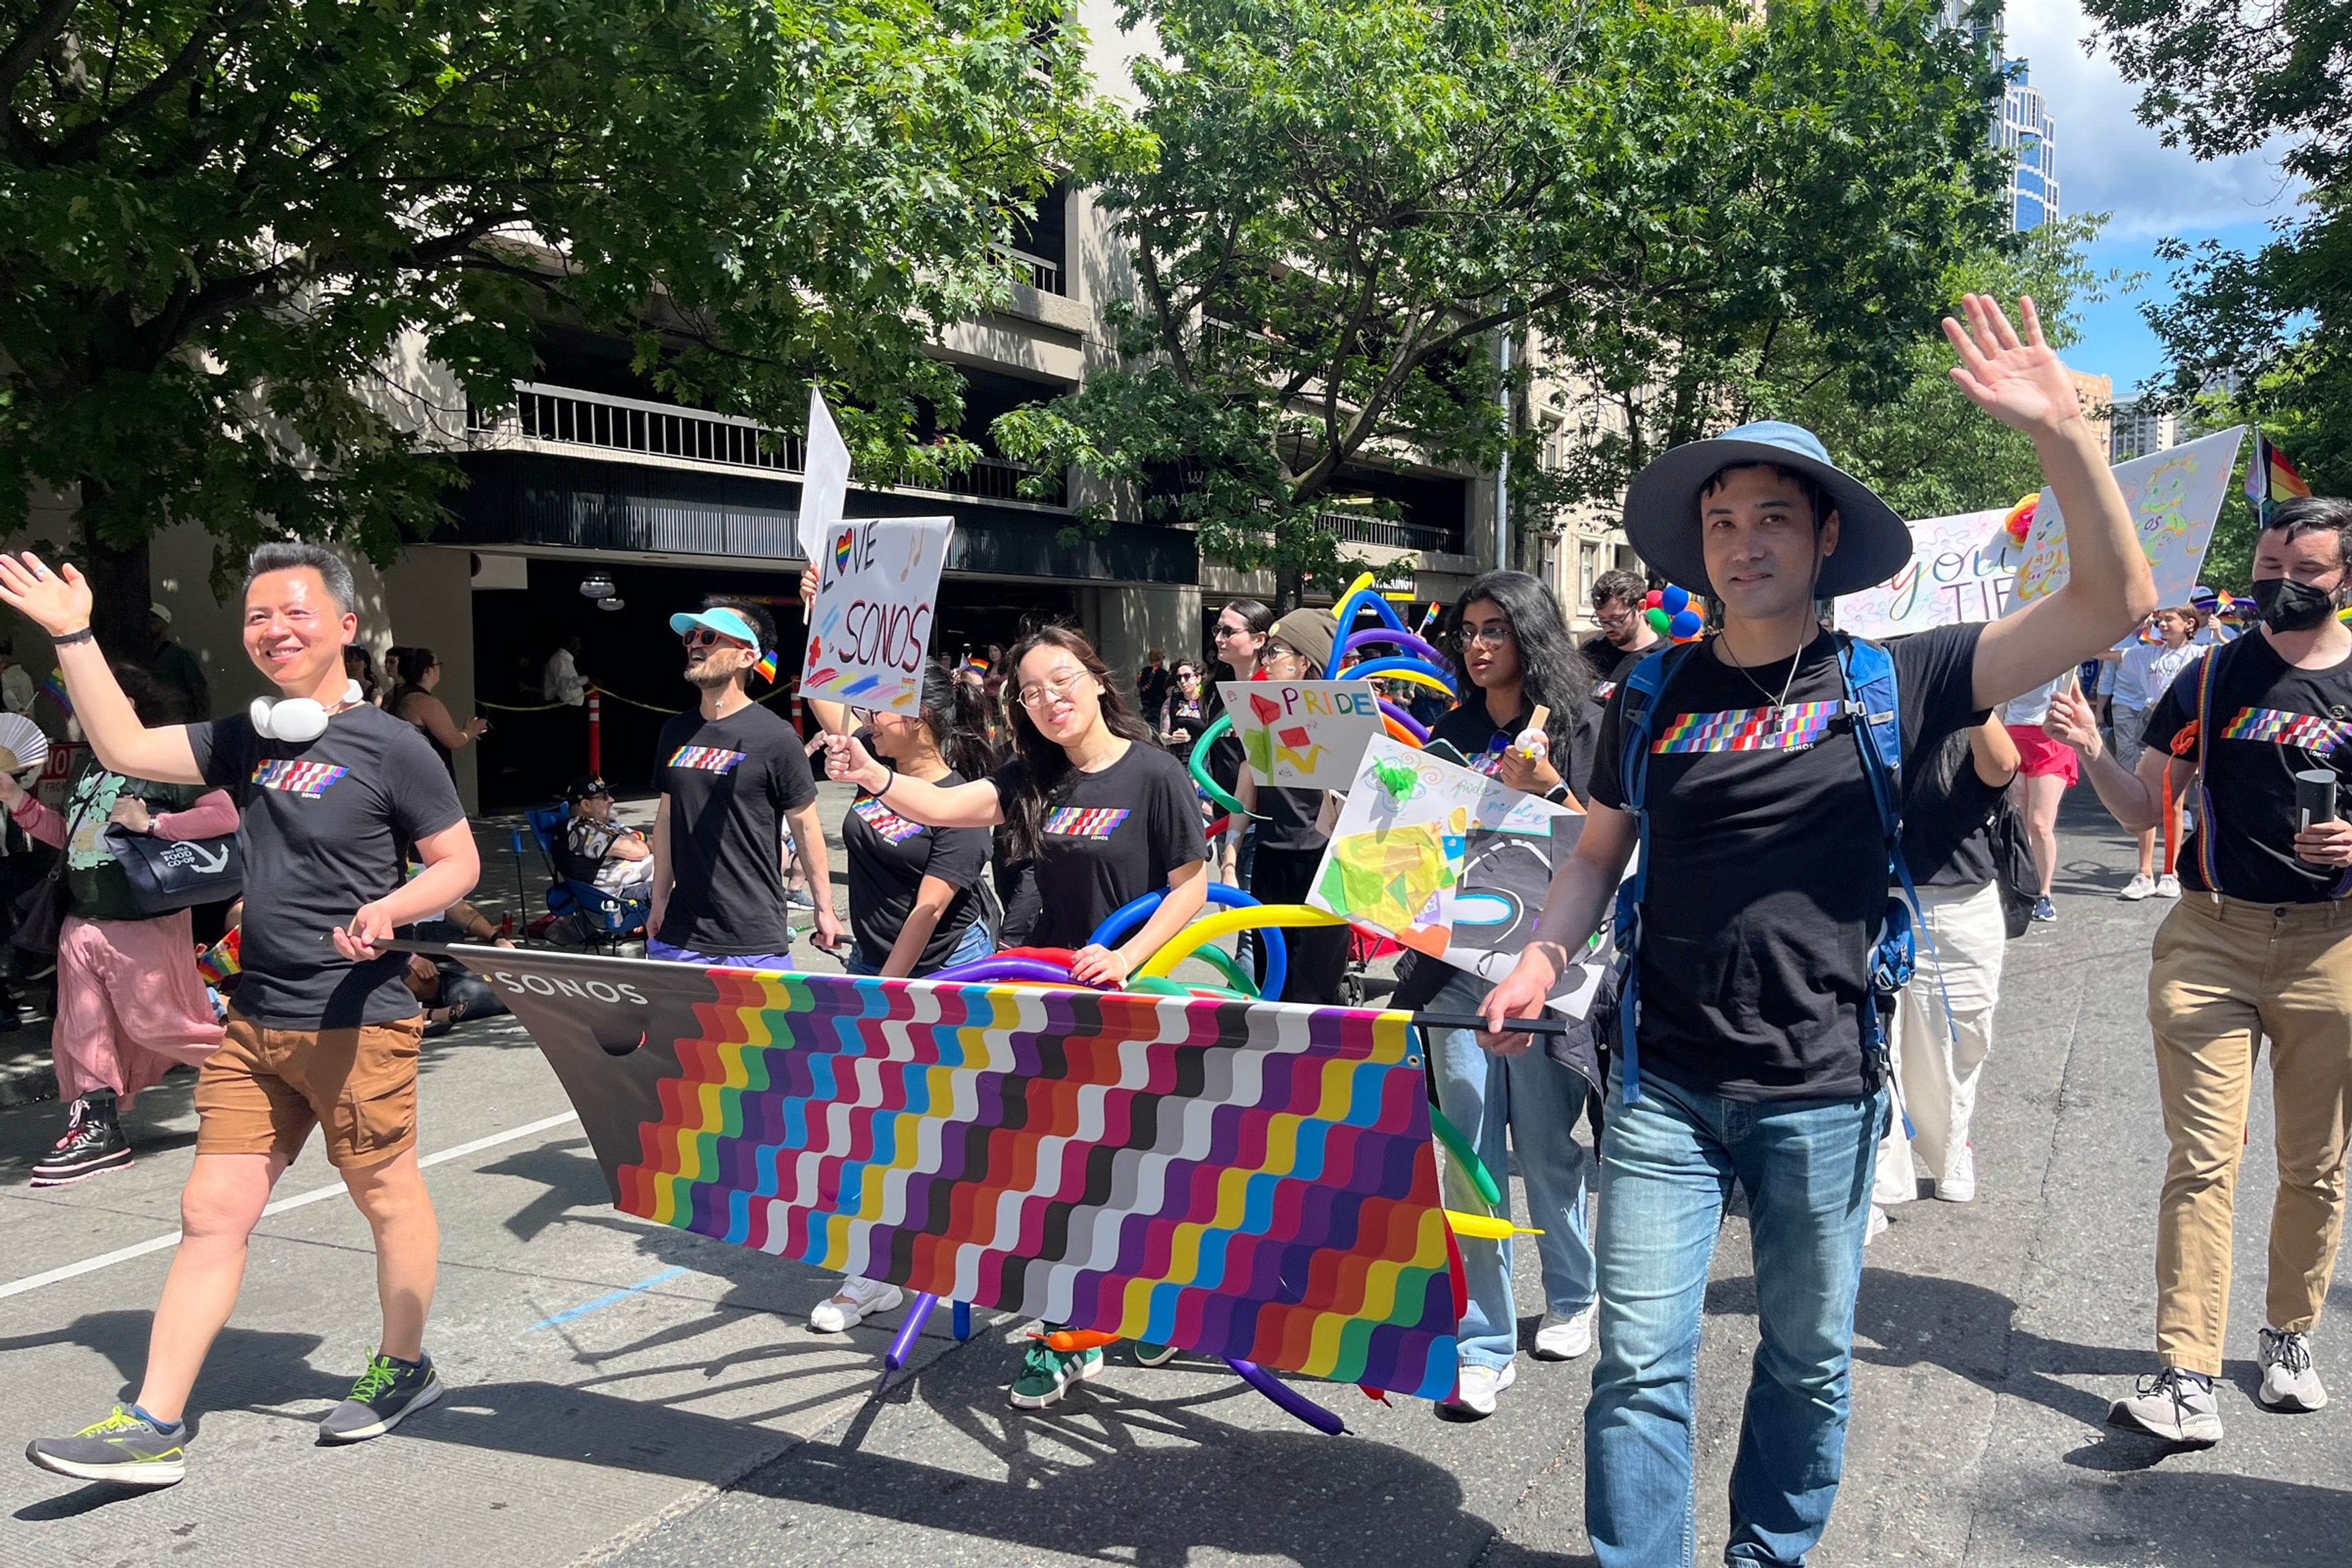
(1354,199)
(218,218)
(2221,78)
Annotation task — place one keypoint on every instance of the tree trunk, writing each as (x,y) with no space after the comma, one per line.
(120,589)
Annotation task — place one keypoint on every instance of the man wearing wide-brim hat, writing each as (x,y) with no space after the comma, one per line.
(1766,885)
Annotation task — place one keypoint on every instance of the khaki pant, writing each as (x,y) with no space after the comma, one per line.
(2224,975)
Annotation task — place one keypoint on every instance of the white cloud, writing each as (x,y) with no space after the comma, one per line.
(2109,162)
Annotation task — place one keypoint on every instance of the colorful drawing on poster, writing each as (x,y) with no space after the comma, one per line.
(1446,860)
(870,628)
(1961,569)
(1240,1179)
(1303,734)
(2174,496)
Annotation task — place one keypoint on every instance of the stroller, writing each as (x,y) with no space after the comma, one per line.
(1357,983)
(580,911)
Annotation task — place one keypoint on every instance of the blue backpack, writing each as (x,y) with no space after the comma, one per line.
(1870,703)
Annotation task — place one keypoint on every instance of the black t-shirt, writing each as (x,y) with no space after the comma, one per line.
(1767,869)
(1946,838)
(888,859)
(1470,730)
(328,825)
(730,781)
(2269,722)
(1289,820)
(1610,666)
(1225,761)
(1110,837)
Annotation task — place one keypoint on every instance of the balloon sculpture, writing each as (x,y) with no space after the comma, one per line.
(1671,613)
(2020,521)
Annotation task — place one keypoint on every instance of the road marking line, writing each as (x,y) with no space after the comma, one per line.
(157,1244)
(608,1298)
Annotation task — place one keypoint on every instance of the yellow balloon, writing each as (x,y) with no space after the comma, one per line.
(1486,1228)
(1225,921)
(1357,586)
(1416,677)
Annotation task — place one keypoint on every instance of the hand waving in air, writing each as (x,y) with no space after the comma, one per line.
(2022,384)
(58,604)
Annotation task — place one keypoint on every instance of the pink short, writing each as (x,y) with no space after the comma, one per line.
(2039,756)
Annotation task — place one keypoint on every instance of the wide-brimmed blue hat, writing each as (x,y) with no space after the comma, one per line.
(1662,508)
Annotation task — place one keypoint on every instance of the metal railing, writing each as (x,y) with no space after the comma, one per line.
(1397,535)
(1040,274)
(565,416)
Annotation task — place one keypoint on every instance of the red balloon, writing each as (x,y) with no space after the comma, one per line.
(1654,601)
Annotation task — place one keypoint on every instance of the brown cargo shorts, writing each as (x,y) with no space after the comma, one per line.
(263,1088)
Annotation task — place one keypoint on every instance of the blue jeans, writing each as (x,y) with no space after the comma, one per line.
(1537,1100)
(1667,1162)
(973,944)
(775,963)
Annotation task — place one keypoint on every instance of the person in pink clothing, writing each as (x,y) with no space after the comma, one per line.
(130,1006)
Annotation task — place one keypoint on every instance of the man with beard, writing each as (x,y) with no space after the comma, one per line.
(1626,638)
(732,775)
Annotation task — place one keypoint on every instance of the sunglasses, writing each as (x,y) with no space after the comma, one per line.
(703,637)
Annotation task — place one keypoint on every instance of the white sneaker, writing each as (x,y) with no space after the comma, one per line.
(2139,887)
(1878,1223)
(2173,1406)
(2167,886)
(1564,1339)
(1476,1389)
(856,1301)
(2289,1380)
(1961,1186)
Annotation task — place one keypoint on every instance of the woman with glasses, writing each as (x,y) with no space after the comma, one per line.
(1290,845)
(418,672)
(1185,713)
(1508,640)
(1106,816)
(1240,634)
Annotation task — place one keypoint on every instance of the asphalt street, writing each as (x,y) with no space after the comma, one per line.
(627,1394)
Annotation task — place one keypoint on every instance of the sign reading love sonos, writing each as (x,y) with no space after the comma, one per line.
(871,627)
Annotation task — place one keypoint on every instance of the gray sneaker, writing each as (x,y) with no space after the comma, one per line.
(388,1393)
(122,1449)
(2289,1380)
(2172,1406)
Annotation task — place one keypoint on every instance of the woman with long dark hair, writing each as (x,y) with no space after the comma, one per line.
(1242,628)
(1508,640)
(1106,816)
(418,672)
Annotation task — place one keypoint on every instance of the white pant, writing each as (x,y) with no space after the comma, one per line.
(1936,1062)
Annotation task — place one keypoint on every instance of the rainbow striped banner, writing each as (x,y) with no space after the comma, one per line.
(2308,730)
(1238,1179)
(1783,728)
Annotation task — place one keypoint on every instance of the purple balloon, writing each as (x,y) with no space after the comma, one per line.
(1413,726)
(1289,1398)
(1415,645)
(980,969)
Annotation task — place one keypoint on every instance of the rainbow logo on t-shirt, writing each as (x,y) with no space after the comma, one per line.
(1081,822)
(309,780)
(705,759)
(885,821)
(2307,731)
(1781,728)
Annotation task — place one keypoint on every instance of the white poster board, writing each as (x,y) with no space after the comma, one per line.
(825,480)
(1303,734)
(870,628)
(2174,496)
(1961,569)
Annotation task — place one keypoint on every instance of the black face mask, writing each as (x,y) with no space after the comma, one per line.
(2287,605)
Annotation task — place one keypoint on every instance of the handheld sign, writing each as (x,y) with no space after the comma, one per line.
(1303,734)
(870,628)
(825,480)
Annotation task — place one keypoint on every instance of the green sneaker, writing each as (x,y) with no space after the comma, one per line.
(1046,1374)
(122,1449)
(1149,1354)
(387,1392)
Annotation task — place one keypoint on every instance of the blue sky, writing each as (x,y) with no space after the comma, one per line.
(2108,162)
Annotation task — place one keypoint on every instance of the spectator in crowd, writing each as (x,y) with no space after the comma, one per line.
(1151,682)
(1105,815)
(2046,770)
(1626,638)
(337,796)
(561,681)
(2260,961)
(175,668)
(359,664)
(2145,673)
(1240,634)
(411,701)
(15,683)
(734,778)
(130,1006)
(1508,640)
(604,851)
(1942,1019)
(1290,846)
(1184,714)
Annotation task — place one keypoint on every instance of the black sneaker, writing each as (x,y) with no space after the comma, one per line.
(123,1448)
(387,1393)
(93,1143)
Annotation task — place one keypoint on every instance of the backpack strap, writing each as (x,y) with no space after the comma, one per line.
(1875,704)
(1637,719)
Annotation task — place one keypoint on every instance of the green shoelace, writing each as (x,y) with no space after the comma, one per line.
(380,1375)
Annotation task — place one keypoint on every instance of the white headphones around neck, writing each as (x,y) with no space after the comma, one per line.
(297,718)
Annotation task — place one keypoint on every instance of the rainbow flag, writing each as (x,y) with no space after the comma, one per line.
(223,959)
(1238,1179)
(2270,477)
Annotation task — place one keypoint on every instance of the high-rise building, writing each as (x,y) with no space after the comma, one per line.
(2021,127)
(2138,430)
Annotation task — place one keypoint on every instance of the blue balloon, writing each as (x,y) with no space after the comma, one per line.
(1673,600)
(1688,624)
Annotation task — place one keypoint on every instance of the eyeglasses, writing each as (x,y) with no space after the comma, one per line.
(862,715)
(1609,623)
(1055,691)
(1227,633)
(1275,650)
(1495,635)
(703,637)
